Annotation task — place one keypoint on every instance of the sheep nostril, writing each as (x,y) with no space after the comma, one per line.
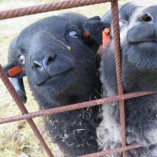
(36,64)
(146,18)
(49,59)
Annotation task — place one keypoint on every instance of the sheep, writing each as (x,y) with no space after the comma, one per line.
(139,70)
(59,62)
(96,25)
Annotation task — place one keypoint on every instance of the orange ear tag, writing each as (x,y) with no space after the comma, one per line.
(106,37)
(86,34)
(14,71)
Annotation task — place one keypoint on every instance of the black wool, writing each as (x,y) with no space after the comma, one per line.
(59,63)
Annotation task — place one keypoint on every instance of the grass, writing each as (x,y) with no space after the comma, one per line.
(17,139)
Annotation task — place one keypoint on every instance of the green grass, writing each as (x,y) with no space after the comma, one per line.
(17,139)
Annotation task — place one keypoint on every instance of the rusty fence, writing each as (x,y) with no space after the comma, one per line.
(120,97)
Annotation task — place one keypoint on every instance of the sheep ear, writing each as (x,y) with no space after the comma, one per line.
(19,87)
(13,70)
(16,73)
(94,27)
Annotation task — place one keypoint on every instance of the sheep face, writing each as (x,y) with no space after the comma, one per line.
(140,37)
(56,68)
(55,57)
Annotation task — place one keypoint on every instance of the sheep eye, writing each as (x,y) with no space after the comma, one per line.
(146,18)
(73,34)
(22,59)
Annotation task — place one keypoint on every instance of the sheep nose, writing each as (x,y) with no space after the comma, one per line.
(44,62)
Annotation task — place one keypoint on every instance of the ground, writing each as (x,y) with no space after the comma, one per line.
(17,139)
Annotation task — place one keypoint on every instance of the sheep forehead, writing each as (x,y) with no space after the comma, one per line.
(45,41)
(53,24)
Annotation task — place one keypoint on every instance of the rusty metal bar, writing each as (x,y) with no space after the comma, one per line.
(73,107)
(23,109)
(108,152)
(48,7)
(116,35)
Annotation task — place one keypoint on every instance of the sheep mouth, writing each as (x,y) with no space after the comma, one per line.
(54,77)
(62,73)
(151,41)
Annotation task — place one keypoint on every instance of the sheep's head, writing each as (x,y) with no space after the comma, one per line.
(139,39)
(138,35)
(55,56)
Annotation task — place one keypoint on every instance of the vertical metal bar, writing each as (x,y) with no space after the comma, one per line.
(116,35)
(23,109)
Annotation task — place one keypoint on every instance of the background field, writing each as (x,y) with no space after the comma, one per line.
(17,139)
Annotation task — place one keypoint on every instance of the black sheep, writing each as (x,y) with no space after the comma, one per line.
(96,25)
(59,63)
(138,35)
